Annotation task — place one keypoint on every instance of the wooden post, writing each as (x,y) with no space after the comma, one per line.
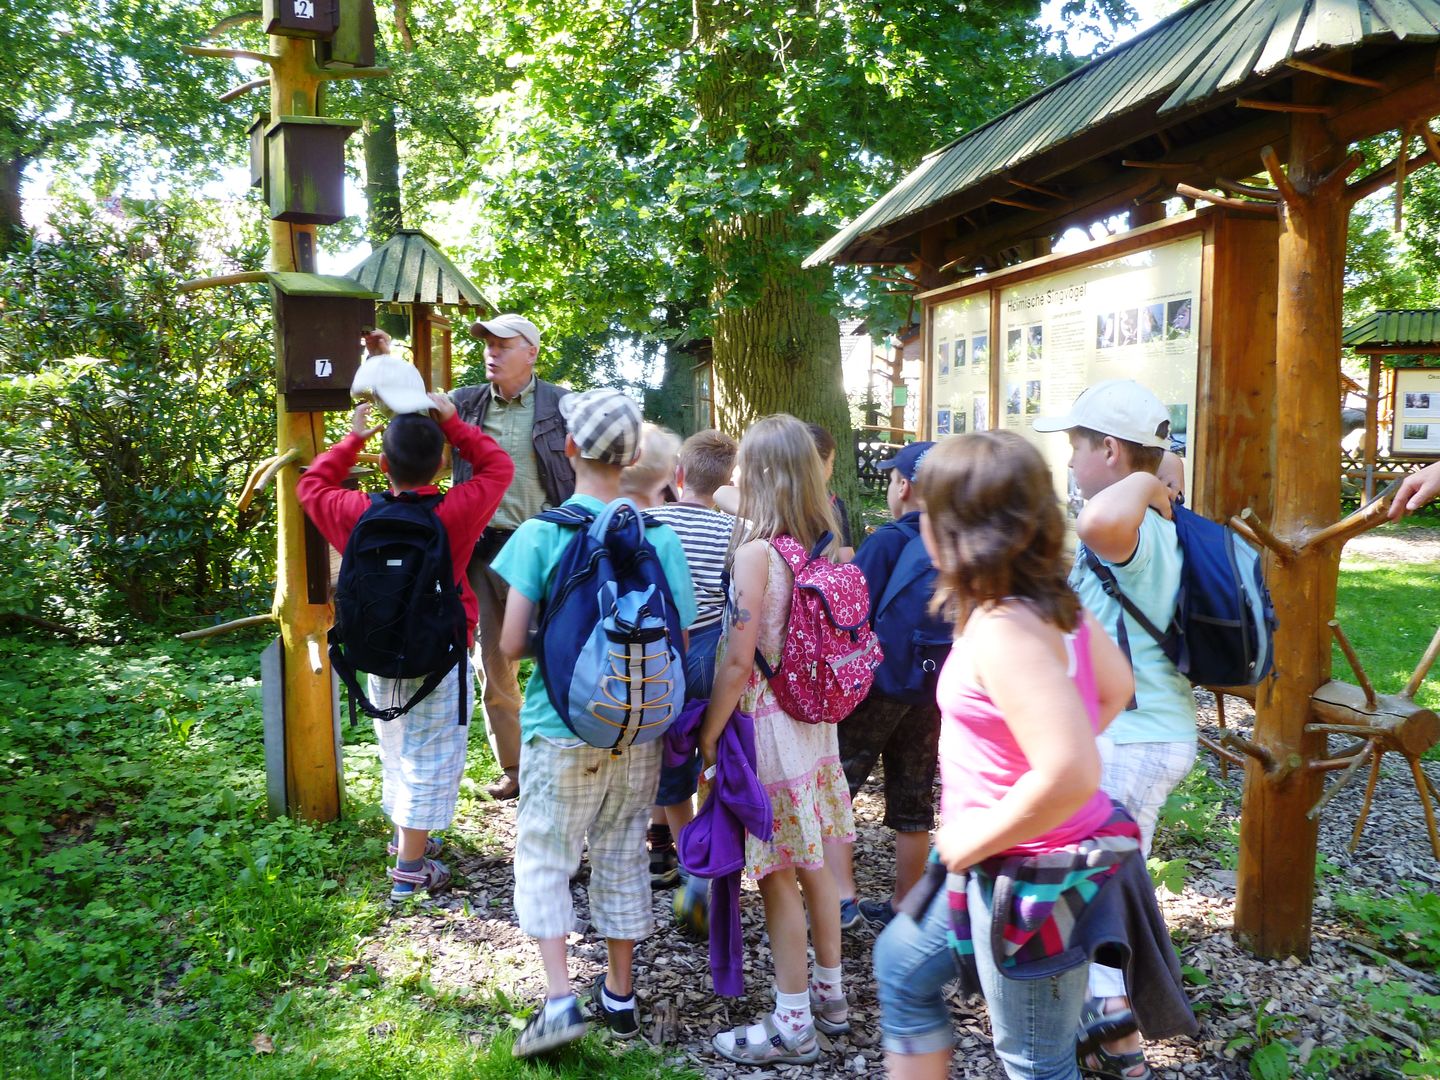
(312,773)
(1372,420)
(1276,881)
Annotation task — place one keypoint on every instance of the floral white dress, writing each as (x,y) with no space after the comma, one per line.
(798,763)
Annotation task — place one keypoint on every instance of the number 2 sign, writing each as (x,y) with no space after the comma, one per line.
(304,9)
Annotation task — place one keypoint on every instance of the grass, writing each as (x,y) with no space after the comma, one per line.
(154,923)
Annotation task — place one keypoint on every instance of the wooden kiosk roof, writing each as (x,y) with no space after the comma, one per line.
(410,268)
(1396,329)
(1193,98)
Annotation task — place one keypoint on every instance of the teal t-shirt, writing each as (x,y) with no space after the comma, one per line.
(1165,709)
(527,563)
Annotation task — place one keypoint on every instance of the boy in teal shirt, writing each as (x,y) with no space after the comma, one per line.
(571,792)
(1119,433)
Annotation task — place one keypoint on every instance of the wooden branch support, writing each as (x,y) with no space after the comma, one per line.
(245,88)
(1354,662)
(1336,177)
(1362,520)
(1250,749)
(1423,789)
(1365,804)
(1019,203)
(1423,668)
(1385,176)
(1227,757)
(246,277)
(231,22)
(1400,163)
(1293,107)
(1340,76)
(262,474)
(1181,165)
(1262,533)
(1225,761)
(230,54)
(226,627)
(1278,176)
(1432,143)
(1186,191)
(1038,189)
(1236,188)
(1343,780)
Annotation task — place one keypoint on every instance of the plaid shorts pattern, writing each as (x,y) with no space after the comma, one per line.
(422,754)
(569,795)
(1142,775)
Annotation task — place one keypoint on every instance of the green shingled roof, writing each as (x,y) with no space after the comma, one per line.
(409,268)
(1414,326)
(1188,63)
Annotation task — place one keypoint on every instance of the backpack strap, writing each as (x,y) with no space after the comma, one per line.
(912,563)
(795,558)
(569,515)
(1112,589)
(347,675)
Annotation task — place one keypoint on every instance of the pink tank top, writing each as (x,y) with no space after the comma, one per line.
(980,760)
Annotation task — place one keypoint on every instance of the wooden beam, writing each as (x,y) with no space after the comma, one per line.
(1251,190)
(1386,175)
(1051,192)
(1329,73)
(1188,192)
(1414,94)
(1018,203)
(1296,108)
(229,54)
(1181,165)
(245,88)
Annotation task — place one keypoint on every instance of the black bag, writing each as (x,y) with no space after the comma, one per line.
(398,612)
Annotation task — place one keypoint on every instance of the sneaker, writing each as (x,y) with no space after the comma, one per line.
(692,907)
(543,1034)
(664,867)
(877,913)
(850,916)
(623,1023)
(432,877)
(506,788)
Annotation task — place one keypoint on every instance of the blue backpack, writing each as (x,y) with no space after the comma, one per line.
(1223,629)
(609,647)
(915,641)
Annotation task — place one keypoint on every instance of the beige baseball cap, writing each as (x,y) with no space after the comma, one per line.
(508,325)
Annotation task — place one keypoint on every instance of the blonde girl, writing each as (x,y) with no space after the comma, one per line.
(782,493)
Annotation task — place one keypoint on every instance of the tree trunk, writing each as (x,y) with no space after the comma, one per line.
(382,178)
(1276,880)
(12,218)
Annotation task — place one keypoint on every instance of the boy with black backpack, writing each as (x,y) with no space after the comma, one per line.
(422,539)
(1119,432)
(600,696)
(898,721)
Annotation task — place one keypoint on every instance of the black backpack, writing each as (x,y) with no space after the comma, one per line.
(398,612)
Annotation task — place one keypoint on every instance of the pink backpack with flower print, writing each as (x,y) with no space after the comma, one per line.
(830,653)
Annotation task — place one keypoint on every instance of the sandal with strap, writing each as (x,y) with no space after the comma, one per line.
(432,877)
(433,846)
(1115,1066)
(831,1015)
(1098,1027)
(803,1050)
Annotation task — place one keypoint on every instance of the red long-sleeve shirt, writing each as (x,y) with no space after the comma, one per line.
(465,510)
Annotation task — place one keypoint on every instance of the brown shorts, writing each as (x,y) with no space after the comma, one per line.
(907,738)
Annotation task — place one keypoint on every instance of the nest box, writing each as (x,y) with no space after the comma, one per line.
(319,321)
(353,44)
(305,168)
(257,149)
(300,18)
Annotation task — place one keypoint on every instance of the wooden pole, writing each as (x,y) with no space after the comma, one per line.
(1276,880)
(312,773)
(1372,420)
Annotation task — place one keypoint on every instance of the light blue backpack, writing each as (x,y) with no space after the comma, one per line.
(610,649)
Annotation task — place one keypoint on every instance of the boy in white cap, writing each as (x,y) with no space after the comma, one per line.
(570,791)
(1119,433)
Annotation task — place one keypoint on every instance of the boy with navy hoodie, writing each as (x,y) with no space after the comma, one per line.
(899,721)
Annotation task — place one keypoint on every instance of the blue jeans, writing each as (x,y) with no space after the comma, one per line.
(1033,1020)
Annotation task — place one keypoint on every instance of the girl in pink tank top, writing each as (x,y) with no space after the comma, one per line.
(1030,680)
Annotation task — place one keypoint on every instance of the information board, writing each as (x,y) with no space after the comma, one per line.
(961,366)
(1416,410)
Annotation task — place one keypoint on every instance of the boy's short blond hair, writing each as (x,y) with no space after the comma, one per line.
(655,467)
(1141,458)
(708,458)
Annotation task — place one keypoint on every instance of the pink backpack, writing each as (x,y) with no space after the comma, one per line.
(830,654)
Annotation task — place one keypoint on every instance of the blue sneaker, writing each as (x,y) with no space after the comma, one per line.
(850,916)
(544,1033)
(877,913)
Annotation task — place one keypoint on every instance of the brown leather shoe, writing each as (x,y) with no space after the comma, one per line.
(507,787)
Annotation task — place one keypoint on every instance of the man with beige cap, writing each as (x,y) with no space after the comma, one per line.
(521,413)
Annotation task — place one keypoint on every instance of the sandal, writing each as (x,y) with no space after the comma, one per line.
(1098,1027)
(803,1051)
(433,846)
(1115,1066)
(432,877)
(831,1015)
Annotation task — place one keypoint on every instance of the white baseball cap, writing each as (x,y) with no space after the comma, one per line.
(508,325)
(392,383)
(1119,407)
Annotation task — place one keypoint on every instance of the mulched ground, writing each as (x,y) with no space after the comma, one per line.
(469,940)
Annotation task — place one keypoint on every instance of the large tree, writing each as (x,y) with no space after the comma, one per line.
(104,87)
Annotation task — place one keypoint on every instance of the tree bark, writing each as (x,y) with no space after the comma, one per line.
(1276,880)
(12,218)
(383,215)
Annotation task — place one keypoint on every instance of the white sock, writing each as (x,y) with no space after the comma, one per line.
(556,1006)
(826,983)
(792,1014)
(612,1002)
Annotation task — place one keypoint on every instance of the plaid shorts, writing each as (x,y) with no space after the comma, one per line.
(569,795)
(422,754)
(1142,775)
(907,738)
